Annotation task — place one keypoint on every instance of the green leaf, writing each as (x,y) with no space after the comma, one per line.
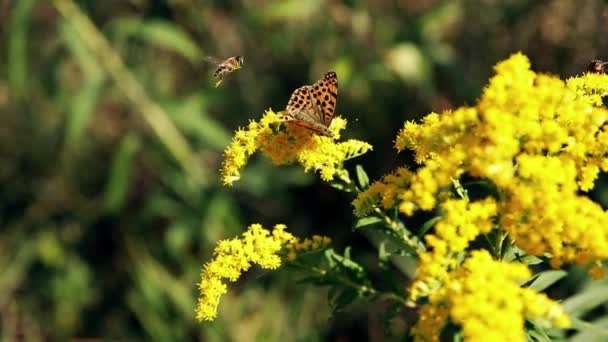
(590,331)
(159,33)
(428,225)
(18,39)
(586,300)
(344,298)
(118,184)
(189,115)
(362,177)
(87,61)
(81,109)
(543,280)
(531,260)
(81,105)
(340,186)
(537,335)
(367,222)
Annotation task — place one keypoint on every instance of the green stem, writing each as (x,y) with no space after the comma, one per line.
(364,289)
(394,225)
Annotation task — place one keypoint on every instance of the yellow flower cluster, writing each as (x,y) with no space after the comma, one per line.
(537,142)
(538,139)
(235,256)
(298,144)
(485,299)
(460,224)
(385,192)
(299,246)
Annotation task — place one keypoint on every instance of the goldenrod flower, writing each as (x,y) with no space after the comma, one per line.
(460,224)
(539,140)
(384,192)
(235,256)
(297,144)
(484,298)
(299,246)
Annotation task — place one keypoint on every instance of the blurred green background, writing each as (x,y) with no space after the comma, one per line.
(111,198)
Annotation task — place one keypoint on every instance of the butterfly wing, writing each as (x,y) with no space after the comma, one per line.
(303,111)
(325,96)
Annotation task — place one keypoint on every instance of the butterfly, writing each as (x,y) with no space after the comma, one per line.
(313,106)
(223,68)
(598,66)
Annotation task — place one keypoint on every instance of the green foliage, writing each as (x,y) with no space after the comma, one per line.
(109,154)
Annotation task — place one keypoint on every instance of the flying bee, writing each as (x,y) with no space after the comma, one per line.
(226,67)
(598,66)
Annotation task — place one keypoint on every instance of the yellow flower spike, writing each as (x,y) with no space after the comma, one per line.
(461,223)
(384,192)
(503,313)
(296,144)
(299,246)
(233,257)
(431,321)
(524,125)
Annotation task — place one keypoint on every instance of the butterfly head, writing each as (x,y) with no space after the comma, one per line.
(330,76)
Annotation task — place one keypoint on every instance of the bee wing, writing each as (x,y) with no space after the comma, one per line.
(210,59)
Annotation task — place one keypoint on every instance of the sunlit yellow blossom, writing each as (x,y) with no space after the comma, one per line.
(539,140)
(460,224)
(244,143)
(233,257)
(299,246)
(484,298)
(383,192)
(430,322)
(296,144)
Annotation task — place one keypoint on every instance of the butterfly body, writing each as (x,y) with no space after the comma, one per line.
(313,106)
(226,67)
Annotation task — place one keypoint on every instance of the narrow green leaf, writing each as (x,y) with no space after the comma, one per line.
(543,280)
(367,222)
(591,331)
(18,39)
(428,225)
(81,109)
(531,260)
(159,33)
(535,335)
(118,183)
(79,50)
(343,299)
(536,332)
(190,116)
(339,186)
(362,177)
(586,300)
